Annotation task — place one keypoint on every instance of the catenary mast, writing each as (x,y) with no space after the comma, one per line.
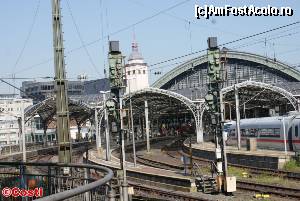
(62,112)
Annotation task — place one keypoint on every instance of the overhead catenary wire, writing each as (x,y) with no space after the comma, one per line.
(80,38)
(128,27)
(15,87)
(102,36)
(227,43)
(165,61)
(28,35)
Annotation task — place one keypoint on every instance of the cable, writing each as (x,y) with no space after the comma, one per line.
(29,95)
(113,33)
(227,43)
(262,41)
(102,36)
(28,35)
(25,78)
(80,38)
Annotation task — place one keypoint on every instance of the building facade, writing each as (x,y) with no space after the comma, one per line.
(11,111)
(41,90)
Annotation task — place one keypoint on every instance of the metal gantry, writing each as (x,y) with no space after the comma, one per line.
(62,113)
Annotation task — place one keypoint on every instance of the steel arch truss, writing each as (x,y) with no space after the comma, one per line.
(161,92)
(46,109)
(264,86)
(159,96)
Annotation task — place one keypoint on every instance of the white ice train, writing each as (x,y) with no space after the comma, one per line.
(269,132)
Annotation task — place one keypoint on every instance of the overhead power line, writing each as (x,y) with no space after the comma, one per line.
(29,95)
(25,78)
(28,35)
(110,34)
(227,43)
(81,39)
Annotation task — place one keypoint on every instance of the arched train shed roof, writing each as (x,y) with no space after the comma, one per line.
(291,73)
(47,109)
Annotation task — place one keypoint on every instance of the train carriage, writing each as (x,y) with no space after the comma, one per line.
(269,132)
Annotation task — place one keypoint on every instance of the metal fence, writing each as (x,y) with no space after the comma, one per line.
(54,181)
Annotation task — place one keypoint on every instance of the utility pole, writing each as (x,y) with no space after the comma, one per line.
(116,76)
(106,126)
(238,117)
(23,131)
(62,112)
(132,127)
(213,99)
(147,125)
(97,131)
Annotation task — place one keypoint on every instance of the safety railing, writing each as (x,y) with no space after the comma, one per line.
(34,149)
(54,181)
(10,149)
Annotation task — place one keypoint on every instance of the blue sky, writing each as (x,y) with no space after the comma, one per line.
(167,35)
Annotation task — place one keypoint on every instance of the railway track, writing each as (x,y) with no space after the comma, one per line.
(156,193)
(162,165)
(242,185)
(253,170)
(272,189)
(251,186)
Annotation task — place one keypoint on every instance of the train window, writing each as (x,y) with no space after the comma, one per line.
(269,132)
(296,130)
(276,132)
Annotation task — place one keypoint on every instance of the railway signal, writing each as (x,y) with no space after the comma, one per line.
(214,102)
(117,84)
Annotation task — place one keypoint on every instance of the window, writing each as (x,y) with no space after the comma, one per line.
(139,71)
(269,132)
(296,130)
(133,72)
(144,71)
(128,73)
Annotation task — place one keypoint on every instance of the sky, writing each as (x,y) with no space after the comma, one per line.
(163,29)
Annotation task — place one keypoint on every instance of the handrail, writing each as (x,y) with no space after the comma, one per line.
(72,192)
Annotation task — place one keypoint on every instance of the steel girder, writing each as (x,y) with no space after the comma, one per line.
(262,85)
(262,60)
(46,109)
(187,102)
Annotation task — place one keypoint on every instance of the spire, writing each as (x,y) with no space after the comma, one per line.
(135,50)
(134,44)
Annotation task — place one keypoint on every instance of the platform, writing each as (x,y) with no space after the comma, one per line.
(160,178)
(169,178)
(262,158)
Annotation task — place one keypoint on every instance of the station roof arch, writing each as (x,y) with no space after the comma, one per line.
(161,100)
(258,94)
(272,64)
(46,109)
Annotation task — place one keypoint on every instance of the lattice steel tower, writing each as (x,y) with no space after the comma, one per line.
(62,112)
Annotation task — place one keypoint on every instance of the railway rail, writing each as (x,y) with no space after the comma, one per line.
(272,189)
(156,193)
(242,185)
(253,170)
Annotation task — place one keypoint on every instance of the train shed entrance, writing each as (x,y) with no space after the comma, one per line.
(257,99)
